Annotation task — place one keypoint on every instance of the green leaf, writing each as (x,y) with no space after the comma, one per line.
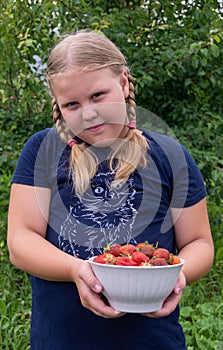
(215,50)
(2,307)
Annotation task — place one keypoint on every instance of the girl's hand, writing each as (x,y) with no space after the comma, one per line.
(90,289)
(172,300)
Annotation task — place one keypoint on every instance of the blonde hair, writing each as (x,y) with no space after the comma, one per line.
(89,51)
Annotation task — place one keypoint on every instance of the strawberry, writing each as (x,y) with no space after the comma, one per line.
(125,261)
(139,257)
(174,259)
(158,262)
(143,254)
(113,249)
(127,249)
(161,253)
(142,244)
(148,250)
(105,258)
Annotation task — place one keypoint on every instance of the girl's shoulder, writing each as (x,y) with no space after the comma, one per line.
(155,138)
(46,139)
(163,147)
(38,157)
(39,136)
(175,162)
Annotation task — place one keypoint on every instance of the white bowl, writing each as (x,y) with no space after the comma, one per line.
(136,289)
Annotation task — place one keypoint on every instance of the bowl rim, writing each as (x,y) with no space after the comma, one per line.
(182,261)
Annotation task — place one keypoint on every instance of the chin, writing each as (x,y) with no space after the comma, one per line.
(104,143)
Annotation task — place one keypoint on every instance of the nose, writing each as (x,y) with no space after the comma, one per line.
(89,113)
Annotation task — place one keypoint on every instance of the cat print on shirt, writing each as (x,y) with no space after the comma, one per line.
(103,215)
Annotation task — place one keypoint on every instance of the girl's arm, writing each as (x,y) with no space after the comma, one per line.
(31,252)
(195,245)
(194,240)
(27,224)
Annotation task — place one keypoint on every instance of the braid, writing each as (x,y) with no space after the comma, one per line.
(82,161)
(84,166)
(56,110)
(60,123)
(131,152)
(131,98)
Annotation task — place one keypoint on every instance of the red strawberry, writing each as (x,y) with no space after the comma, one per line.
(127,249)
(139,257)
(113,249)
(105,258)
(161,253)
(158,262)
(148,250)
(125,261)
(141,244)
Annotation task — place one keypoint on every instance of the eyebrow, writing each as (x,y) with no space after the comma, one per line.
(64,104)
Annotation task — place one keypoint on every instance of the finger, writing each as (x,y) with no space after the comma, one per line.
(168,307)
(90,279)
(180,285)
(100,307)
(95,303)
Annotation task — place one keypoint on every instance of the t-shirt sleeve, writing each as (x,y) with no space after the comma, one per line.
(178,171)
(188,183)
(196,188)
(31,167)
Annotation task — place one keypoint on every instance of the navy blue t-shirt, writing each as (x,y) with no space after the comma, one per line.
(135,211)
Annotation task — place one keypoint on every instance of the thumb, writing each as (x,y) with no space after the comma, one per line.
(97,287)
(93,282)
(181,283)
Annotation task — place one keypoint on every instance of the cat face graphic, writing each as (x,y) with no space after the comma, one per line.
(103,196)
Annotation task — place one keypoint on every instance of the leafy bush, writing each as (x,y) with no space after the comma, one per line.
(202,316)
(174,50)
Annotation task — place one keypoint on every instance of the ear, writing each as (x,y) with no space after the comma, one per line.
(125,83)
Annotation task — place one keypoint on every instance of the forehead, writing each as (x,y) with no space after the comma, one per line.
(81,73)
(81,82)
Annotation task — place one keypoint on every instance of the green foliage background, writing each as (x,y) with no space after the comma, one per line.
(175,52)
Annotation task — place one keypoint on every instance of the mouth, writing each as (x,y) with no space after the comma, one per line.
(95,127)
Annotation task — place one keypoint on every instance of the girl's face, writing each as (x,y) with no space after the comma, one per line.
(93,105)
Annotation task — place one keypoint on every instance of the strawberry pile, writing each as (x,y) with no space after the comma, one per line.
(143,254)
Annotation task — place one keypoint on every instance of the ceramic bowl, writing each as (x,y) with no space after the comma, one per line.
(136,289)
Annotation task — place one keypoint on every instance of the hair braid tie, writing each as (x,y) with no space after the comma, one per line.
(72,142)
(132,124)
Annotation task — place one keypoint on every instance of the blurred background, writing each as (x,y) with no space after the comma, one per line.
(175,52)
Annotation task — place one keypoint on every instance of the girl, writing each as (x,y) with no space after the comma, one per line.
(96,179)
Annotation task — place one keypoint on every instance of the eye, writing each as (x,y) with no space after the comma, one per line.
(99,190)
(72,105)
(98,95)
